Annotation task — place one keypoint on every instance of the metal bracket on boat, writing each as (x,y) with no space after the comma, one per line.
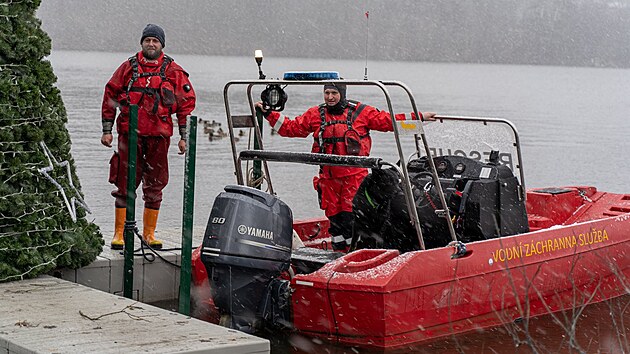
(442,214)
(316,233)
(582,194)
(460,249)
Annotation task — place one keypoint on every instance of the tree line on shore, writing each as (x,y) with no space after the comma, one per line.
(563,32)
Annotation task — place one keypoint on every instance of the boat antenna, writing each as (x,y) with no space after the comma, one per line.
(367,34)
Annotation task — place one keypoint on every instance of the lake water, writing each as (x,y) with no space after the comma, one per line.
(573,126)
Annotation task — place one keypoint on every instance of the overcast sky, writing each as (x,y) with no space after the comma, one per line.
(559,32)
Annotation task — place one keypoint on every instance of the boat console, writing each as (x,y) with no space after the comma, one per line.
(483,198)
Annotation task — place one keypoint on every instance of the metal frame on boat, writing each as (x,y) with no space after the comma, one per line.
(250,121)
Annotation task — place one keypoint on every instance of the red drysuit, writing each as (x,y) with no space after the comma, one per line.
(160,88)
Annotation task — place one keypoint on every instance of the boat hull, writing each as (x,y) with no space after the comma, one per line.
(381,299)
(578,254)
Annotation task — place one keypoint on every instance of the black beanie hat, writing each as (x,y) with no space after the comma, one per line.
(156,31)
(337,87)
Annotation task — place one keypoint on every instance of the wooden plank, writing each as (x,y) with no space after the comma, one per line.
(50,315)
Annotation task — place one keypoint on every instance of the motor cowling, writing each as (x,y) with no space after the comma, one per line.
(246,247)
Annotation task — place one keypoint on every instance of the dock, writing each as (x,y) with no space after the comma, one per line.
(83,311)
(52,315)
(153,280)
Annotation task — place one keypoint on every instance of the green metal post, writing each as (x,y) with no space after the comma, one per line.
(130,221)
(189,201)
(257,173)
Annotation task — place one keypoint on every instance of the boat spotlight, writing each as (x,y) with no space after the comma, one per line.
(258,55)
(273,97)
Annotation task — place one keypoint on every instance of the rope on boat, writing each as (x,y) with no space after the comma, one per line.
(255,183)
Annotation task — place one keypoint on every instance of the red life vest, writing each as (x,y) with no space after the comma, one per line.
(161,92)
(344,140)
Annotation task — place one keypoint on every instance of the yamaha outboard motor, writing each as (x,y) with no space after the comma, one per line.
(247,245)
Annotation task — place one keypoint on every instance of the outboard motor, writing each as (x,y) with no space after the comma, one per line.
(247,245)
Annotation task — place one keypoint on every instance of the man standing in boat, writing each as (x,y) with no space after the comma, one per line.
(160,88)
(339,127)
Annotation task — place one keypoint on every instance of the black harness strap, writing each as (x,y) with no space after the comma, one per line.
(150,91)
(135,75)
(334,140)
(320,136)
(354,109)
(332,122)
(360,108)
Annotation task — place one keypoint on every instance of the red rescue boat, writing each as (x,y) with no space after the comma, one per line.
(492,255)
(578,255)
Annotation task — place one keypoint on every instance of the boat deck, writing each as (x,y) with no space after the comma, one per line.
(564,206)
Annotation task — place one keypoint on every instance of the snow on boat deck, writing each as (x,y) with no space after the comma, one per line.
(51,315)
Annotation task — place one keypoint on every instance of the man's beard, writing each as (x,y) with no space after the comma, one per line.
(338,108)
(151,55)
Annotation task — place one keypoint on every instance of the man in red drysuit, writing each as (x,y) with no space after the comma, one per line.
(160,88)
(339,127)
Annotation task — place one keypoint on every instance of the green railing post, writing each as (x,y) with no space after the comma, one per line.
(257,173)
(187,223)
(130,221)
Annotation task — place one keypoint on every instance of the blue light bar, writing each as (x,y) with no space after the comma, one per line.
(311,75)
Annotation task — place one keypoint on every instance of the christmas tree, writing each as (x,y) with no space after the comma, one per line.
(43,221)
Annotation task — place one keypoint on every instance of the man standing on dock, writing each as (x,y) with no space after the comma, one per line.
(339,127)
(160,88)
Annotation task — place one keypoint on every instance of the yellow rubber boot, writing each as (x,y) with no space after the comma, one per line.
(148,231)
(118,242)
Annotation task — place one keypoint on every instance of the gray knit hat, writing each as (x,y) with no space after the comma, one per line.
(156,31)
(341,88)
